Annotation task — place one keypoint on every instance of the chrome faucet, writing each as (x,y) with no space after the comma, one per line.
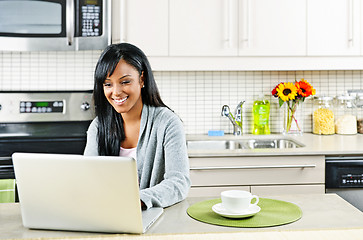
(235,120)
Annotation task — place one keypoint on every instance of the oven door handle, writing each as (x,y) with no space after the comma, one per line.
(70,21)
(345,162)
(5,158)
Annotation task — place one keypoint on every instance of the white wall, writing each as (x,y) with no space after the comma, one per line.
(197,97)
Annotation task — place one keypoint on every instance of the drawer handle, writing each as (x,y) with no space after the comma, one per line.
(254,167)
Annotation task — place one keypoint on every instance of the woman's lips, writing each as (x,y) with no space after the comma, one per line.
(120,101)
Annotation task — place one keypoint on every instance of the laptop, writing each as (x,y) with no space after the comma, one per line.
(80,193)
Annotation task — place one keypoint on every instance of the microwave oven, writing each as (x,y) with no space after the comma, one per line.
(54,25)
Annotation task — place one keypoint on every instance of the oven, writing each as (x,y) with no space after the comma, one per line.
(344,176)
(42,122)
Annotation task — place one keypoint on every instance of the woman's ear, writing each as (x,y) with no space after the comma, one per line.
(142,83)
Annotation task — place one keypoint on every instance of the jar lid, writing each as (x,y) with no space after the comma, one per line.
(345,97)
(324,98)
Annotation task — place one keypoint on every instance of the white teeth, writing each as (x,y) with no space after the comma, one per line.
(120,101)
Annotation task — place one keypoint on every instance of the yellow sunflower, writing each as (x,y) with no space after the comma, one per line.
(286,91)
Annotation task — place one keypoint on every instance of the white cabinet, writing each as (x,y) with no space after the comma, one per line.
(272,28)
(238,35)
(237,27)
(270,175)
(334,27)
(203,28)
(143,23)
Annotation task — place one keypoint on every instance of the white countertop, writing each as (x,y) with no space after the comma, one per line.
(313,145)
(325,216)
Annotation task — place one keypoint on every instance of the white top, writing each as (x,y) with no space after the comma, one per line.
(128,152)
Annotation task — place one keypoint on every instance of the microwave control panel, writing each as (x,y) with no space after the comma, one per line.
(90,18)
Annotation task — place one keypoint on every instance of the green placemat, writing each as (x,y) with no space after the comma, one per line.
(273,213)
(7,190)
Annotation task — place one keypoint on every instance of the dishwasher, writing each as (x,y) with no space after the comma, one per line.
(344,176)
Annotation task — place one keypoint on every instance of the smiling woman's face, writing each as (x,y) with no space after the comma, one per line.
(123,88)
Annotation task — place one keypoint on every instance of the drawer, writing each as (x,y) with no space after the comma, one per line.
(288,189)
(221,171)
(213,191)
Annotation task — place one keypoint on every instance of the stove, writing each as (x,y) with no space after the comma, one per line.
(42,122)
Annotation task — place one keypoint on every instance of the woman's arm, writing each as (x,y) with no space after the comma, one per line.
(172,168)
(92,143)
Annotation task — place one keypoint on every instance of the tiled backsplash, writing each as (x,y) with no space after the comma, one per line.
(197,97)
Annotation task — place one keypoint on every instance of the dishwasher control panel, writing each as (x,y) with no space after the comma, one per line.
(351,180)
(344,172)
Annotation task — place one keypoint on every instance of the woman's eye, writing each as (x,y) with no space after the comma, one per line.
(106,84)
(125,82)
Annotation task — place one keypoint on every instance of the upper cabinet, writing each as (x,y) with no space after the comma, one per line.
(143,23)
(333,27)
(272,28)
(203,28)
(243,34)
(237,27)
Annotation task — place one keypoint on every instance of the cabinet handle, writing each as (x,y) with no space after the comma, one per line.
(350,23)
(246,29)
(254,167)
(123,21)
(228,21)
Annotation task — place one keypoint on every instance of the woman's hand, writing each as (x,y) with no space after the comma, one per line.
(143,206)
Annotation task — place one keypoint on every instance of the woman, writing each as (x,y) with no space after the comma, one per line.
(132,120)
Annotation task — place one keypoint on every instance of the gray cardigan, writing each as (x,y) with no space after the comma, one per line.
(162,159)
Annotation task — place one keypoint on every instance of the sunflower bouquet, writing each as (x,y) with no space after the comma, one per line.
(292,94)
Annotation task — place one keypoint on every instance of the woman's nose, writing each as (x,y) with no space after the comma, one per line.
(117,89)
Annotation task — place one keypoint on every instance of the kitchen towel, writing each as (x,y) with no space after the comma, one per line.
(273,213)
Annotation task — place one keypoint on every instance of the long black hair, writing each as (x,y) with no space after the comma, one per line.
(110,123)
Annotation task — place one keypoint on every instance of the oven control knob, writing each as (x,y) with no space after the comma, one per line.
(85,106)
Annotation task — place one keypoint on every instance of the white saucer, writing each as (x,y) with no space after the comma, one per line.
(219,209)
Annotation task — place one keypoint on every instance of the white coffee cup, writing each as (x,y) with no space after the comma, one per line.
(236,201)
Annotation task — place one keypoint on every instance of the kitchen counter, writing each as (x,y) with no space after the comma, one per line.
(325,216)
(313,145)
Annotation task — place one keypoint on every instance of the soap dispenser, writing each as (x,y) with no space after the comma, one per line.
(261,116)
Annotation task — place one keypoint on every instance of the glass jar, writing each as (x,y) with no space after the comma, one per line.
(323,116)
(359,105)
(345,115)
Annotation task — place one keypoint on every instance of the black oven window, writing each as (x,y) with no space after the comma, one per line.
(32,18)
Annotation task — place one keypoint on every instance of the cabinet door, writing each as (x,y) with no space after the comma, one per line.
(203,28)
(333,27)
(287,189)
(272,27)
(144,23)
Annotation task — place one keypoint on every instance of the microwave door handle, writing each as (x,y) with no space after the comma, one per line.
(70,21)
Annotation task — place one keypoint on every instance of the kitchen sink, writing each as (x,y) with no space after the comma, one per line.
(215,145)
(282,143)
(272,143)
